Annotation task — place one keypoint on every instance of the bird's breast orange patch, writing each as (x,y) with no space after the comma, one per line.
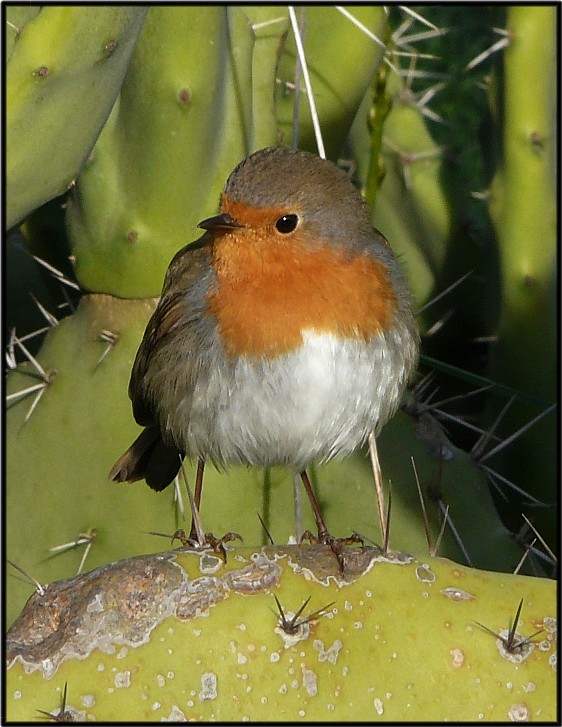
(268,292)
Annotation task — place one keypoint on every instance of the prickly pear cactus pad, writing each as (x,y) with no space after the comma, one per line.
(63,73)
(279,632)
(183,119)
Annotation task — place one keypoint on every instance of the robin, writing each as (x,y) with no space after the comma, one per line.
(284,335)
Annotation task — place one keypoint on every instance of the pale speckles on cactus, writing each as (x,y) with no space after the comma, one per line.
(122,679)
(330,653)
(457,658)
(209,684)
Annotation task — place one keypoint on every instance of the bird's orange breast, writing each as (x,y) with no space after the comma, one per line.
(269,291)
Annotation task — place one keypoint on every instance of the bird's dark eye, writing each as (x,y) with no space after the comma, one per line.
(287,223)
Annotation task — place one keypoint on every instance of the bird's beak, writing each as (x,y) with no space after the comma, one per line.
(218,222)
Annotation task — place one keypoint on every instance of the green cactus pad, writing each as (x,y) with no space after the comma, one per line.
(410,207)
(522,205)
(63,73)
(183,120)
(184,636)
(342,61)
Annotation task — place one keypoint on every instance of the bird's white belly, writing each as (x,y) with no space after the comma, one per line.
(316,402)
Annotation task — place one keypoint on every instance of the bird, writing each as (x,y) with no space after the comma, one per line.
(283,336)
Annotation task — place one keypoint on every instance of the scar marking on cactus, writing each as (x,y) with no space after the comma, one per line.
(208,540)
(110,47)
(424,573)
(316,563)
(261,575)
(132,236)
(537,141)
(108,606)
(456,594)
(184,97)
(209,686)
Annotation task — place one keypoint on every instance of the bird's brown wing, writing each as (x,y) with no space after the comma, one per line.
(186,271)
(150,457)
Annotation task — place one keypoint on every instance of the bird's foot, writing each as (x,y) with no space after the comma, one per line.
(210,540)
(336,544)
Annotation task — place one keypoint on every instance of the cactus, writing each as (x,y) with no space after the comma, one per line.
(367,646)
(329,35)
(124,515)
(156,170)
(522,205)
(65,66)
(411,183)
(182,121)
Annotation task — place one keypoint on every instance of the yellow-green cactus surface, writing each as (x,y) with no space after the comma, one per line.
(183,636)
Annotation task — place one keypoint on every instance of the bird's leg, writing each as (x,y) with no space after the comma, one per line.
(198,539)
(197,498)
(323,535)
